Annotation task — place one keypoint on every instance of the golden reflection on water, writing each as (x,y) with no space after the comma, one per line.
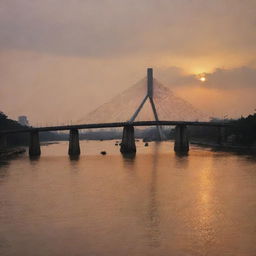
(152,203)
(206,210)
(154,219)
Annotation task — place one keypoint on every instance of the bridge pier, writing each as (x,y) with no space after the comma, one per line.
(128,140)
(3,141)
(181,144)
(74,147)
(34,144)
(221,135)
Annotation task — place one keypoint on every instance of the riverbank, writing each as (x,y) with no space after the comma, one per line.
(11,152)
(225,146)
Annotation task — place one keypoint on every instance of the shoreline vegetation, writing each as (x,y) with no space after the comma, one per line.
(226,147)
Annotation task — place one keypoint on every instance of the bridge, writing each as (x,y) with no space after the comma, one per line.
(128,145)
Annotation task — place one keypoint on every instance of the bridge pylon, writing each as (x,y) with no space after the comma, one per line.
(149,96)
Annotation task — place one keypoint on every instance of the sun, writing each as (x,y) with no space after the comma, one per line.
(202,79)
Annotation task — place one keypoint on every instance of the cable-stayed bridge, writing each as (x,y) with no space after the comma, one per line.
(122,107)
(168,104)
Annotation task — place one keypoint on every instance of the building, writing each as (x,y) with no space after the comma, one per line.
(23,120)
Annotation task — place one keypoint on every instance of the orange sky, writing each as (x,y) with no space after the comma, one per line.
(61,59)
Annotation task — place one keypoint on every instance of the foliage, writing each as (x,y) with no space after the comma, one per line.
(241,132)
(244,130)
(9,124)
(22,138)
(2,116)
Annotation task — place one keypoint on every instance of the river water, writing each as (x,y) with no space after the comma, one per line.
(156,203)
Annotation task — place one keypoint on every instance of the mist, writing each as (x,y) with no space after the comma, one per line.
(61,59)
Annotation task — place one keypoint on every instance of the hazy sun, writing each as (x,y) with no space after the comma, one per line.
(202,79)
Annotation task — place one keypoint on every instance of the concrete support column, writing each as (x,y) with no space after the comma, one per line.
(34,144)
(181,144)
(74,147)
(221,135)
(128,141)
(3,141)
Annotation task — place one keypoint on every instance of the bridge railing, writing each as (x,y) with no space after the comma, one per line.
(114,125)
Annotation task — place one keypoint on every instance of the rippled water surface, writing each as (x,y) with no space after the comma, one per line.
(156,203)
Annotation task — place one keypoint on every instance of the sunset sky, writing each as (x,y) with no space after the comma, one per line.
(60,59)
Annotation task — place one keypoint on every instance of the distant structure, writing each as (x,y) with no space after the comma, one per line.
(23,120)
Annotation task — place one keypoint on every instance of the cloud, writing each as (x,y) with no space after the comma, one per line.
(175,76)
(224,79)
(74,86)
(119,27)
(236,78)
(226,91)
(91,50)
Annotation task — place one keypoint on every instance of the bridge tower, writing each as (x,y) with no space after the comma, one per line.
(150,82)
(128,141)
(149,96)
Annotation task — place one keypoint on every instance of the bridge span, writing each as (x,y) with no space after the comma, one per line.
(181,144)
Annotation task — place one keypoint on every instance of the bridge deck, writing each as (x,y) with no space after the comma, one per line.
(114,125)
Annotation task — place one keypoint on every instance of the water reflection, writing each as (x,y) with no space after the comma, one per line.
(3,163)
(181,154)
(74,162)
(156,203)
(128,156)
(153,214)
(34,158)
(4,166)
(129,161)
(181,161)
(206,204)
(149,164)
(74,158)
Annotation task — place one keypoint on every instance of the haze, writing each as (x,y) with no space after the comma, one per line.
(60,59)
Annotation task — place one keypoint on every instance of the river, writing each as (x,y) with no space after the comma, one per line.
(154,204)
